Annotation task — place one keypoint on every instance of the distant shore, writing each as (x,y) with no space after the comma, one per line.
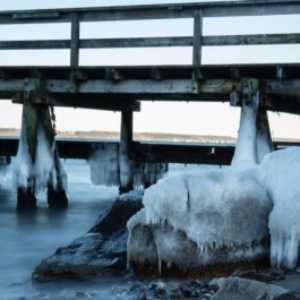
(144,136)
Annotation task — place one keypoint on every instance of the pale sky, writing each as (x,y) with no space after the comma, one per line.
(189,118)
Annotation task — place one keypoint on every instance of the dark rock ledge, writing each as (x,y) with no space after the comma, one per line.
(100,252)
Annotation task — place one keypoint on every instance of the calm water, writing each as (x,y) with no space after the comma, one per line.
(27,238)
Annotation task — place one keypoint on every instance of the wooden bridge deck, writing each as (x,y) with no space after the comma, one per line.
(120,88)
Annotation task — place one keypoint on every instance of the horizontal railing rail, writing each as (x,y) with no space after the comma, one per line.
(196,11)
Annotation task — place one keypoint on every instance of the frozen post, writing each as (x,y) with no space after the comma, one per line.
(264,142)
(126,168)
(245,154)
(37,163)
(56,195)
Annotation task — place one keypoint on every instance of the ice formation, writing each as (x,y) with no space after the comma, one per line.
(215,216)
(264,143)
(45,170)
(105,165)
(278,173)
(5,164)
(245,154)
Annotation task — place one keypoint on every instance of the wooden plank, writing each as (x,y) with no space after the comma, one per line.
(75,35)
(25,45)
(158,11)
(238,40)
(98,43)
(35,15)
(91,101)
(196,42)
(260,71)
(197,38)
(136,42)
(123,87)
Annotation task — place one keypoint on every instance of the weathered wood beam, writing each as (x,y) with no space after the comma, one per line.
(124,86)
(75,36)
(54,44)
(244,40)
(197,38)
(91,101)
(180,10)
(197,42)
(260,71)
(147,86)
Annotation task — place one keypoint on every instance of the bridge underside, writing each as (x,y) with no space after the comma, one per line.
(120,88)
(186,153)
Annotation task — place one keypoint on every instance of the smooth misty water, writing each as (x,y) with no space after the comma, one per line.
(27,238)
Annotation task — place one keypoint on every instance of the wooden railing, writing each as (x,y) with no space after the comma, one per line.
(198,12)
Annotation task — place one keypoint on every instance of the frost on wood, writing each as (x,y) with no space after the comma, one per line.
(105,166)
(218,216)
(279,174)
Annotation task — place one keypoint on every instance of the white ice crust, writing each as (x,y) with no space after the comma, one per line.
(43,171)
(224,215)
(109,168)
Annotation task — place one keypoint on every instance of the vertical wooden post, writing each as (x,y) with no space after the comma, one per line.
(197,47)
(75,34)
(126,176)
(264,144)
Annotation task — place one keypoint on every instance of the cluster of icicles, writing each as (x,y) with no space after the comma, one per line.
(45,170)
(106,166)
(224,215)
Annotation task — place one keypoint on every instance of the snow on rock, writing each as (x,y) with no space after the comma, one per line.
(245,289)
(279,174)
(216,216)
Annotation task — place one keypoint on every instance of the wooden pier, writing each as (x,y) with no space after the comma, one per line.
(123,88)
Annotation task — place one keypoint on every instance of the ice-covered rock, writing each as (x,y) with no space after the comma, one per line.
(212,217)
(217,216)
(279,174)
(232,288)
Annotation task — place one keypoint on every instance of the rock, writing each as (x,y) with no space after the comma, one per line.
(100,252)
(234,288)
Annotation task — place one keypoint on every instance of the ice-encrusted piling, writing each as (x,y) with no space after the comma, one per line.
(245,150)
(279,174)
(125,162)
(264,144)
(213,217)
(37,163)
(115,165)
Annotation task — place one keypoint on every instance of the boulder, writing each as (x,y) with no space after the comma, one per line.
(234,288)
(101,251)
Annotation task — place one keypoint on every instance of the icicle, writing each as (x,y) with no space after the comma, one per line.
(159,263)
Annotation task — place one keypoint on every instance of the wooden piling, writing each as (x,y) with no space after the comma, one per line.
(264,144)
(126,169)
